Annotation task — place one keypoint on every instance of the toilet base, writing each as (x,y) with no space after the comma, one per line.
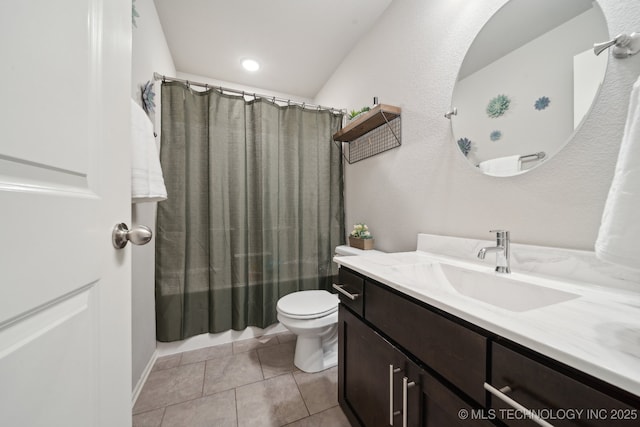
(317,353)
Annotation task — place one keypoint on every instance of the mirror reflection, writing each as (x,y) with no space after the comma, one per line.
(527,83)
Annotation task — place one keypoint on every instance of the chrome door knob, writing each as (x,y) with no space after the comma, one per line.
(138,235)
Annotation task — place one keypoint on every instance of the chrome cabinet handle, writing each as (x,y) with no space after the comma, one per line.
(138,235)
(500,394)
(392,414)
(340,288)
(406,385)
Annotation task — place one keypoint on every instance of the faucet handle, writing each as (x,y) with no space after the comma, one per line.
(501,234)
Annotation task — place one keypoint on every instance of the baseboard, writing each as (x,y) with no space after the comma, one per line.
(198,342)
(208,340)
(143,378)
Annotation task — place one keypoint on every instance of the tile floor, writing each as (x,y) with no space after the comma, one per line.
(251,383)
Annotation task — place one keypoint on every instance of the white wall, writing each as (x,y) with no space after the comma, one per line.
(411,59)
(150,53)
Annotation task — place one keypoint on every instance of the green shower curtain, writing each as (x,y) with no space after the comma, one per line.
(254,209)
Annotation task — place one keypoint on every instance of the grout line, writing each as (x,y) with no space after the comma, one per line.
(235,394)
(301,395)
(260,362)
(164,411)
(313,415)
(204,377)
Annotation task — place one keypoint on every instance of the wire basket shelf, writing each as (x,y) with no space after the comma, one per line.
(374,142)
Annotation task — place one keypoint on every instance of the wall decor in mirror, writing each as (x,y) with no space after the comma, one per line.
(527,82)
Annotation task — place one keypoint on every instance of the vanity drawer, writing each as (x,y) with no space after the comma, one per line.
(561,399)
(452,350)
(350,290)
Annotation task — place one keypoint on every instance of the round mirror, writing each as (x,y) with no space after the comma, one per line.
(527,82)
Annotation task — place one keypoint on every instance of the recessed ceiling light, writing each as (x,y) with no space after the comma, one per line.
(250,65)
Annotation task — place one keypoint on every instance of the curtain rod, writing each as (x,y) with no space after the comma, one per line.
(274,99)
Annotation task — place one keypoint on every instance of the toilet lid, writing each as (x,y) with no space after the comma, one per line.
(308,304)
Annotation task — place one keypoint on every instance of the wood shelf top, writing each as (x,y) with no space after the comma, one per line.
(367,122)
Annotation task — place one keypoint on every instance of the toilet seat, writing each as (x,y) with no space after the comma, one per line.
(308,304)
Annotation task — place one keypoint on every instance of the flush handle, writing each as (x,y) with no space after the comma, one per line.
(138,235)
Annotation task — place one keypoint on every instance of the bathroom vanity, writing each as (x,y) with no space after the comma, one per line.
(415,352)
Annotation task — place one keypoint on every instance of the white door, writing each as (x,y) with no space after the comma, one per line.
(65,351)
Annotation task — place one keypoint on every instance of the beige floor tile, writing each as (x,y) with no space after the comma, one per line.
(273,402)
(208,353)
(148,419)
(217,410)
(286,337)
(254,343)
(170,386)
(231,371)
(333,417)
(319,390)
(277,359)
(167,362)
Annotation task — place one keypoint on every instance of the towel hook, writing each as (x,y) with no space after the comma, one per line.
(623,45)
(452,112)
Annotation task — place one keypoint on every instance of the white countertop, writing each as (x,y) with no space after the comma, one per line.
(597,333)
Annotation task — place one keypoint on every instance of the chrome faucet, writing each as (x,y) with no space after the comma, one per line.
(501,249)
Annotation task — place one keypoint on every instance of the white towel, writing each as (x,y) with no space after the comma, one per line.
(501,166)
(619,235)
(147,183)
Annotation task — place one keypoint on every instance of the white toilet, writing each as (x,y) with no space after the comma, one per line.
(313,317)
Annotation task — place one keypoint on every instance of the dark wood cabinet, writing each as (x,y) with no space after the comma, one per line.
(391,344)
(350,283)
(372,373)
(561,399)
(456,352)
(363,371)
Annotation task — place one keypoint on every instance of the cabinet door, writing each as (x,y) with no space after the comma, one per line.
(363,372)
(440,406)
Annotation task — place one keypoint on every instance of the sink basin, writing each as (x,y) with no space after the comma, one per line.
(502,291)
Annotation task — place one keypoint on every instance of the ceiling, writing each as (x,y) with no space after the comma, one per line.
(298,43)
